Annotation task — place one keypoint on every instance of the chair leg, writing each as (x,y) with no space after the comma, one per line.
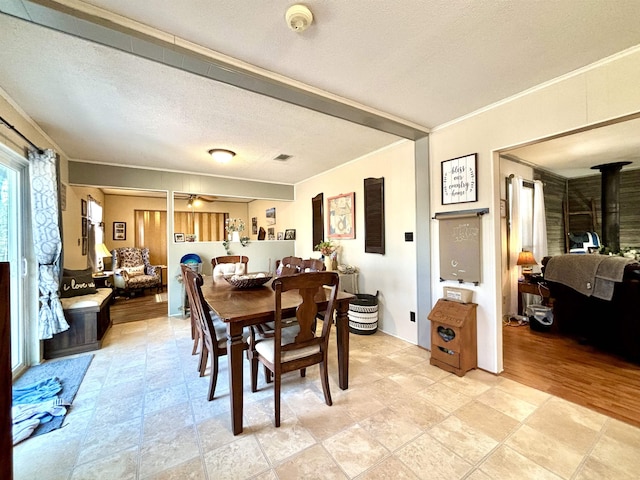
(303,372)
(214,376)
(267,375)
(276,392)
(204,355)
(254,372)
(325,383)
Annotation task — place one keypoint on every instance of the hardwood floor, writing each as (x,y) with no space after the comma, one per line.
(142,307)
(579,373)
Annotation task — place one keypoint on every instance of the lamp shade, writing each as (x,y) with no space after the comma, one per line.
(526,259)
(102,251)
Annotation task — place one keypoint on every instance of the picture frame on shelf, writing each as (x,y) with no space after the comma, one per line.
(459,179)
(290,234)
(280,235)
(178,237)
(341,220)
(119,230)
(271,235)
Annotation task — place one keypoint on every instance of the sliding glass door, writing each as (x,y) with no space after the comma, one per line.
(12,225)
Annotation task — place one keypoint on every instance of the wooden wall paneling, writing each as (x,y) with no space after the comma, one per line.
(151,232)
(630,208)
(555,188)
(6,439)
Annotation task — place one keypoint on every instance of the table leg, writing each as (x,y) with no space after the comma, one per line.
(235,351)
(342,337)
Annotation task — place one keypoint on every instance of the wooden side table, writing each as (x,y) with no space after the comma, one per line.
(539,289)
(104,280)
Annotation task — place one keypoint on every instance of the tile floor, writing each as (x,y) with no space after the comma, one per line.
(141,413)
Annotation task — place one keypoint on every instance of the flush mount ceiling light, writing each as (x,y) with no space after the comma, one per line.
(222,155)
(298,18)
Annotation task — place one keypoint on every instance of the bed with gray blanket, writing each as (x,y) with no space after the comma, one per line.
(597,299)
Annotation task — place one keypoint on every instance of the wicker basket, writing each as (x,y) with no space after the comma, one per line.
(251,280)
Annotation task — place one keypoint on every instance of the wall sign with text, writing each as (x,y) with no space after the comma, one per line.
(459,180)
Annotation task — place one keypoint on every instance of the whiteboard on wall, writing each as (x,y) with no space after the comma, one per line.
(460,248)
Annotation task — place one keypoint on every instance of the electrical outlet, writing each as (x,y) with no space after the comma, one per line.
(412,316)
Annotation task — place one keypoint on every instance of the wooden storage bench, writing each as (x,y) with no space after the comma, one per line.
(89,319)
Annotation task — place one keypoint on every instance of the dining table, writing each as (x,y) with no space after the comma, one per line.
(241,308)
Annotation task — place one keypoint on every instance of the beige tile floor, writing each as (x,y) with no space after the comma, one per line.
(141,413)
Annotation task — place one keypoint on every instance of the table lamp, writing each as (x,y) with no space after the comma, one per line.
(526,261)
(101,252)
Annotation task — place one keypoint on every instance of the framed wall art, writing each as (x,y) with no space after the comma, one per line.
(178,237)
(83,207)
(459,180)
(85,222)
(290,234)
(271,216)
(341,220)
(119,230)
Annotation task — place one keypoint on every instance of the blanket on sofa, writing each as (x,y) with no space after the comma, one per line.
(587,274)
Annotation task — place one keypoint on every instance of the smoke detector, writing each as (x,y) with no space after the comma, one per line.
(298,18)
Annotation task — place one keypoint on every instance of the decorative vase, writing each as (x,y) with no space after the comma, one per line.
(235,236)
(328,263)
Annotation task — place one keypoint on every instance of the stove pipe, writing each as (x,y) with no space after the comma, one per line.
(610,203)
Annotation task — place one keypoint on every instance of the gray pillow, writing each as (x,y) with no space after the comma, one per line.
(76,282)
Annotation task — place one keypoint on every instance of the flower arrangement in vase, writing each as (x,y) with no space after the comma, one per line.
(234,227)
(329,251)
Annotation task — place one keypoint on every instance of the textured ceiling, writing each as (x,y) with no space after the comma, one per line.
(424,63)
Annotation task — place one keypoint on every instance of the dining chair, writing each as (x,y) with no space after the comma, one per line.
(296,348)
(313,265)
(214,331)
(225,260)
(196,331)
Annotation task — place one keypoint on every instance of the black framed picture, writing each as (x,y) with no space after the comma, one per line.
(85,242)
(119,230)
(459,180)
(178,237)
(83,207)
(85,223)
(290,234)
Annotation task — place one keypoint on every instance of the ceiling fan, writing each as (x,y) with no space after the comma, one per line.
(193,199)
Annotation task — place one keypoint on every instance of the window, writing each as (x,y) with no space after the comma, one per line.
(12,226)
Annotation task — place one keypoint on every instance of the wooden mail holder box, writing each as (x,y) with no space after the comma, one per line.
(453,336)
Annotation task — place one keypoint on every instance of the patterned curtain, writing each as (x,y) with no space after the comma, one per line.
(43,170)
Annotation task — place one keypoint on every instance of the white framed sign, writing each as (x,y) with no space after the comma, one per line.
(459,180)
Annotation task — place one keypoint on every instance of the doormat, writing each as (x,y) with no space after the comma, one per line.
(69,371)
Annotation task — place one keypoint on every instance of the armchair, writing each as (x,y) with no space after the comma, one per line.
(132,270)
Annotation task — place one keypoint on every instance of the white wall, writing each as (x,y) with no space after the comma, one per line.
(392,274)
(606,90)
(285,217)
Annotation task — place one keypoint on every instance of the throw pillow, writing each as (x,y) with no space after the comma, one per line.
(240,268)
(134,271)
(76,282)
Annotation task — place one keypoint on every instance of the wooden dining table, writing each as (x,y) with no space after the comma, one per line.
(240,308)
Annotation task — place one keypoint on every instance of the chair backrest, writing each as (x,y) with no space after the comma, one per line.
(313,265)
(289,266)
(224,265)
(230,259)
(130,257)
(308,285)
(200,309)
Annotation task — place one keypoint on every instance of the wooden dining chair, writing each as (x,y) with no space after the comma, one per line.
(226,259)
(214,331)
(313,265)
(196,331)
(296,348)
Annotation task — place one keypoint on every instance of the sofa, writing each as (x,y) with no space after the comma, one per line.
(611,325)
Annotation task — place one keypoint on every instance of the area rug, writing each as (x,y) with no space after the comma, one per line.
(70,372)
